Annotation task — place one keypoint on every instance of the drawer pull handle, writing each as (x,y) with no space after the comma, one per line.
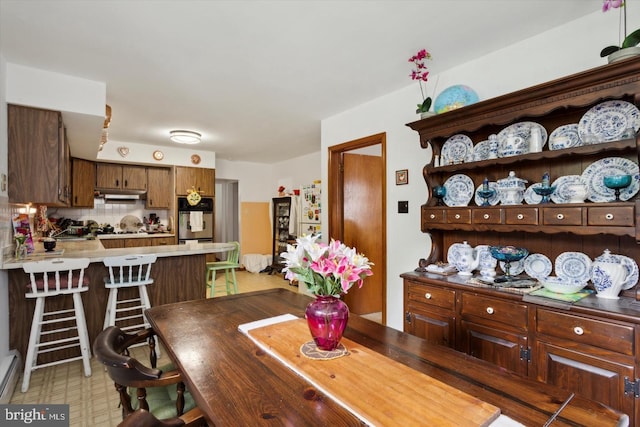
(560,216)
(432,216)
(520,216)
(578,330)
(609,216)
(427,295)
(457,216)
(490,310)
(486,216)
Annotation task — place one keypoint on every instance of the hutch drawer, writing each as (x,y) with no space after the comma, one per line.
(434,215)
(497,310)
(614,216)
(487,216)
(562,216)
(521,216)
(459,216)
(610,336)
(432,296)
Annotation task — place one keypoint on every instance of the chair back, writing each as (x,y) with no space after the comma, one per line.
(233,256)
(129,270)
(56,276)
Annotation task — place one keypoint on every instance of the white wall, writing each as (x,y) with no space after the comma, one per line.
(570,49)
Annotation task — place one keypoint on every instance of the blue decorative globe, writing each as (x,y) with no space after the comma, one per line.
(455,97)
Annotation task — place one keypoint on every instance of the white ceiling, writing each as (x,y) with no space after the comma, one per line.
(257,77)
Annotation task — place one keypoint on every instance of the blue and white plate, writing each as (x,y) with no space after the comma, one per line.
(523,130)
(537,266)
(608,120)
(632,270)
(594,174)
(562,193)
(574,266)
(530,196)
(457,148)
(493,200)
(481,151)
(453,254)
(459,189)
(516,267)
(486,260)
(570,131)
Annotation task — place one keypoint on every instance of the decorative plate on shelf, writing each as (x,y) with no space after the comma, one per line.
(570,131)
(158,155)
(594,174)
(457,148)
(486,260)
(195,159)
(608,120)
(516,267)
(530,196)
(537,266)
(574,266)
(562,193)
(481,150)
(523,130)
(459,190)
(453,254)
(493,200)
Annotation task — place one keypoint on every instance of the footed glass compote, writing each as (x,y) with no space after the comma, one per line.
(545,192)
(507,254)
(486,195)
(439,192)
(617,183)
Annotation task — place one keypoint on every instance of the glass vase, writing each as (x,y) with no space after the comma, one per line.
(21,251)
(327,317)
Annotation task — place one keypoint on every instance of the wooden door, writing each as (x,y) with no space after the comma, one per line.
(84,176)
(205,181)
(185,180)
(159,192)
(108,176)
(363,225)
(134,178)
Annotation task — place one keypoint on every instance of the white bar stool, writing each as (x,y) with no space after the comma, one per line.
(128,271)
(50,278)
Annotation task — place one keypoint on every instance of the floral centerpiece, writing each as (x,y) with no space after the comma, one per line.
(328,271)
(21,249)
(628,41)
(421,74)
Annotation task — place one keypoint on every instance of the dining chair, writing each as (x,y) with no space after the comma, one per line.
(55,326)
(161,391)
(142,418)
(228,266)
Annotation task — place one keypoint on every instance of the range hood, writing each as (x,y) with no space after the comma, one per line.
(120,196)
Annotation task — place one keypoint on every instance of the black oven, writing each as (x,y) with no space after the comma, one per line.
(187,213)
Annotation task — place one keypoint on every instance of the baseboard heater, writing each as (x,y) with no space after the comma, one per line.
(10,368)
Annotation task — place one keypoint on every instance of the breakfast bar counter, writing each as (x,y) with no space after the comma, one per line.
(178,273)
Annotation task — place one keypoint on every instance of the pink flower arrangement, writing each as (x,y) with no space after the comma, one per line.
(630,40)
(421,74)
(329,270)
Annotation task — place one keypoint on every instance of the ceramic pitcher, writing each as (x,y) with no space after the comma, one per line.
(608,275)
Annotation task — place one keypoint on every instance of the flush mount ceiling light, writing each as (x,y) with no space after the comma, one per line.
(185,136)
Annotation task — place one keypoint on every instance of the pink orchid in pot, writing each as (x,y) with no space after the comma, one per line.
(421,74)
(328,270)
(629,45)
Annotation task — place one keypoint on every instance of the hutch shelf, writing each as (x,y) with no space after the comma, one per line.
(588,347)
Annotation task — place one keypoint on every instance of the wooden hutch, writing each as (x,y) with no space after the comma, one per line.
(590,347)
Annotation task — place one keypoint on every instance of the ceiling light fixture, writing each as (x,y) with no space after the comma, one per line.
(185,136)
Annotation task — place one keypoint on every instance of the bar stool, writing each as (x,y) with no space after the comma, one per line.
(228,266)
(128,271)
(51,278)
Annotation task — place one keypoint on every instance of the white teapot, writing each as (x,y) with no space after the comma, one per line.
(511,189)
(468,259)
(608,275)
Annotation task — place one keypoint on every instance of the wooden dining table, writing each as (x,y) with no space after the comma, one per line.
(235,382)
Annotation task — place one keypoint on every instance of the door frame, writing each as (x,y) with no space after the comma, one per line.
(335,197)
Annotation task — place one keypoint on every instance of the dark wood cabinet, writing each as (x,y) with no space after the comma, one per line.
(38,157)
(110,176)
(201,180)
(281,216)
(159,194)
(137,242)
(430,313)
(83,174)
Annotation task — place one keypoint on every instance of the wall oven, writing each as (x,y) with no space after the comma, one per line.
(202,212)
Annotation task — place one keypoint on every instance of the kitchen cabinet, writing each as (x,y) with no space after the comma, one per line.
(110,176)
(83,173)
(39,157)
(200,179)
(137,242)
(112,243)
(591,351)
(159,195)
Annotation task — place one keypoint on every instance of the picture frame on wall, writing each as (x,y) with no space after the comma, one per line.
(402,176)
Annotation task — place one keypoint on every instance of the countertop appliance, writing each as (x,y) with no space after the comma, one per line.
(188,213)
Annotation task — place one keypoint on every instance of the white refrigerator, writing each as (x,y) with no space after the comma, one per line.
(309,208)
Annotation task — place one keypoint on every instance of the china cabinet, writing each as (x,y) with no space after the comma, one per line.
(281,215)
(591,349)
(39,157)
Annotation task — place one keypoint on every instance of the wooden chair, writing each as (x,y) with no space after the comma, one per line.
(142,418)
(159,391)
(61,328)
(228,266)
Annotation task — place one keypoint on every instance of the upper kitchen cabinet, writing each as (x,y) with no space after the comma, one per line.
(83,177)
(38,157)
(111,176)
(159,185)
(200,179)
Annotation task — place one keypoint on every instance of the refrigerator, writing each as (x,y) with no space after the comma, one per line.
(309,208)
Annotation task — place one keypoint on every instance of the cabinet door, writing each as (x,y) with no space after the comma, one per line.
(185,180)
(436,328)
(64,168)
(500,347)
(34,146)
(163,241)
(83,174)
(139,242)
(108,176)
(112,243)
(159,192)
(134,178)
(588,373)
(205,179)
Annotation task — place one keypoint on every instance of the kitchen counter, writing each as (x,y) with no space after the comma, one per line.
(178,273)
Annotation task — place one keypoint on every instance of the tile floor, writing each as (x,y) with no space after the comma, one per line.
(93,401)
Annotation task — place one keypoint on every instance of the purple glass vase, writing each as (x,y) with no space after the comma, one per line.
(327,318)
